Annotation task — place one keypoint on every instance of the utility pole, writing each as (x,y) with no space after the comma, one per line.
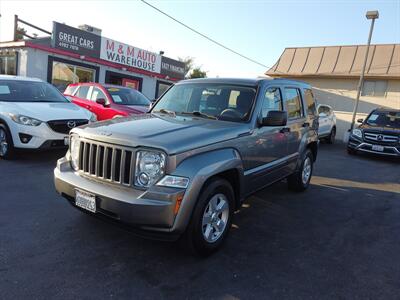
(371,15)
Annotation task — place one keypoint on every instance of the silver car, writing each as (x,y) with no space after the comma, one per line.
(327,123)
(181,170)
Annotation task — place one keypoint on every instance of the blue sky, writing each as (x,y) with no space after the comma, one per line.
(259,29)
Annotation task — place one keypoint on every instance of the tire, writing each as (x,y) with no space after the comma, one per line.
(7,150)
(351,151)
(331,138)
(300,180)
(217,191)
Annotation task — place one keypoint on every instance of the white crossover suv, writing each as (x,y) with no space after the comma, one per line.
(35,115)
(327,123)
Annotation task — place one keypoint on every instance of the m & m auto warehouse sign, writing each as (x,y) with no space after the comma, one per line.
(124,54)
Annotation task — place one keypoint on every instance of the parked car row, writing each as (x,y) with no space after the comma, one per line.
(178,169)
(35,115)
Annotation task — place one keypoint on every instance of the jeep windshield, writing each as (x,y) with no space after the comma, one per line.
(127,96)
(29,91)
(208,100)
(384,119)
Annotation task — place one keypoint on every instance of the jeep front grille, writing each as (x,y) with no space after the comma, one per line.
(107,162)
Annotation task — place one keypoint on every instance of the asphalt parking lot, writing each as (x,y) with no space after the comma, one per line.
(338,240)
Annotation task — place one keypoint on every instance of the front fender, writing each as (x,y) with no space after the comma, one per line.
(199,169)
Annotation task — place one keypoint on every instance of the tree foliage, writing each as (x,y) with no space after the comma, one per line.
(20,33)
(197,73)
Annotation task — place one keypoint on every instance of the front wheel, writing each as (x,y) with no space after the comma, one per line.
(300,180)
(6,144)
(212,217)
(331,138)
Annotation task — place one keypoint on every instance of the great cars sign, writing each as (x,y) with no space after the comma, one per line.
(124,54)
(75,40)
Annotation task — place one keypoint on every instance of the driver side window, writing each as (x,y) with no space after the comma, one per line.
(272,101)
(97,94)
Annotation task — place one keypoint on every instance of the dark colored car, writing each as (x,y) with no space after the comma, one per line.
(108,101)
(184,168)
(379,133)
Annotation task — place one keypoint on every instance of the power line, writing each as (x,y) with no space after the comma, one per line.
(205,36)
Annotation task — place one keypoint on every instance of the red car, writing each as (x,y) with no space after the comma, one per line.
(108,101)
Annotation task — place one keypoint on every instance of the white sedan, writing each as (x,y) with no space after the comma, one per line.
(35,115)
(327,123)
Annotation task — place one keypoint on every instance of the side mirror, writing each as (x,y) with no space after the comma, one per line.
(360,120)
(101,101)
(275,118)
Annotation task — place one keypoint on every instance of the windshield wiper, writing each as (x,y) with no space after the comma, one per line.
(198,114)
(165,111)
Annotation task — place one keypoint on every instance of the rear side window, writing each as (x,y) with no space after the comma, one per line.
(82,91)
(293,103)
(310,102)
(272,101)
(70,90)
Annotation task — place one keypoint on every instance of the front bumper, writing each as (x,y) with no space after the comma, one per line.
(148,212)
(362,146)
(42,136)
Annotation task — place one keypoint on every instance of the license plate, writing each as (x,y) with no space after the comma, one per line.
(66,141)
(378,148)
(85,200)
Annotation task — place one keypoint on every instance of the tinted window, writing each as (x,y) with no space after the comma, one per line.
(272,101)
(127,96)
(83,92)
(29,91)
(384,119)
(221,101)
(293,103)
(97,94)
(310,102)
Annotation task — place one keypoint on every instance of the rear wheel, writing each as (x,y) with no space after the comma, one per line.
(212,218)
(7,150)
(300,180)
(332,136)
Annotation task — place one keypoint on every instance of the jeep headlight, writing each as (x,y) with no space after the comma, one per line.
(357,132)
(74,145)
(150,167)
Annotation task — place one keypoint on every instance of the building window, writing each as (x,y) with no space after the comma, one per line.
(375,88)
(61,72)
(8,63)
(162,86)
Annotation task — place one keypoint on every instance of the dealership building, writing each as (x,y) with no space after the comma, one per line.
(334,72)
(73,55)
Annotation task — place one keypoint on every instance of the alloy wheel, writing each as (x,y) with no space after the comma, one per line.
(215,218)
(306,173)
(3,142)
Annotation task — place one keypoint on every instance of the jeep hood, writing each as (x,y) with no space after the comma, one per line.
(173,134)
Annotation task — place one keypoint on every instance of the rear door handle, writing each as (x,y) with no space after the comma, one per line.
(285,129)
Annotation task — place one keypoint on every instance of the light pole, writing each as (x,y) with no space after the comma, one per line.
(371,15)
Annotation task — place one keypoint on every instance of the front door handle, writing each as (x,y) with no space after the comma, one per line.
(285,129)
